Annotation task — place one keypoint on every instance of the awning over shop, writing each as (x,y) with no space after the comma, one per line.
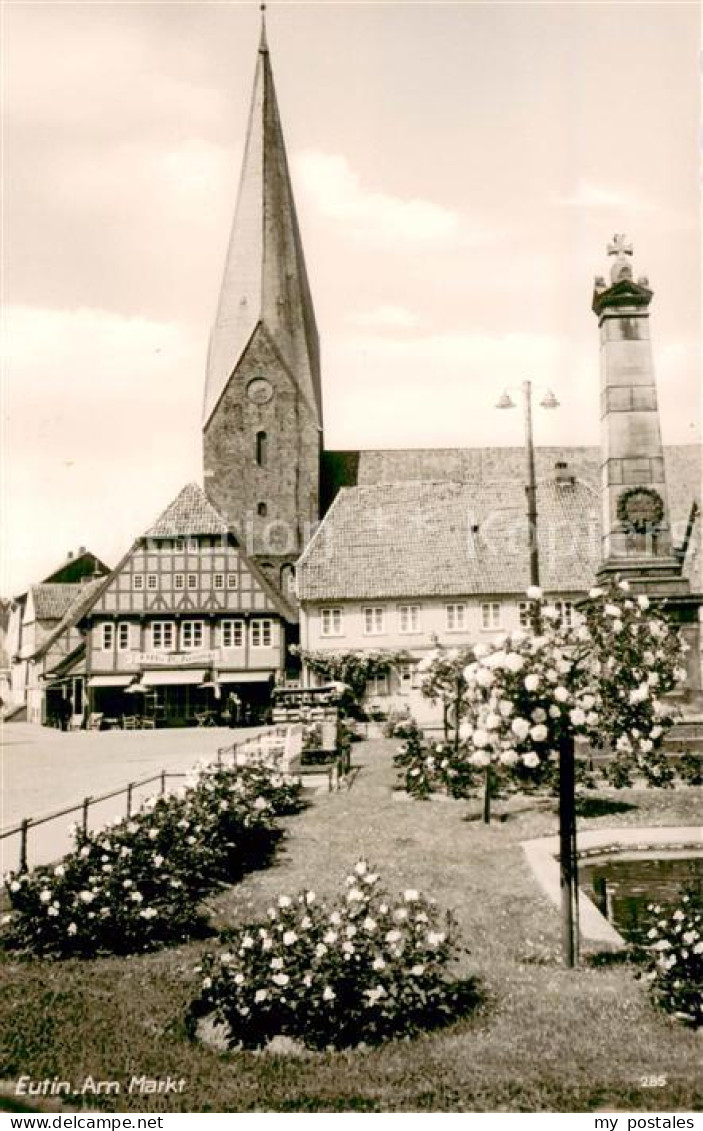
(110,680)
(191,676)
(244,677)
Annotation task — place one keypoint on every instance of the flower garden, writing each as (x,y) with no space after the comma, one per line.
(431,980)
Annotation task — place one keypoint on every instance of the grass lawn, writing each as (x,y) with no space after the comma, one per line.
(546,1039)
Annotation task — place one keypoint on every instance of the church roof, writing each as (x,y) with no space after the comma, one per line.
(265,281)
(190,513)
(425,539)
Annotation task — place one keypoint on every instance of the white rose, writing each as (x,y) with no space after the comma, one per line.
(538,715)
(492,721)
(514,662)
(530,760)
(643,601)
(520,728)
(577,717)
(480,738)
(561,694)
(480,759)
(508,758)
(539,733)
(531,682)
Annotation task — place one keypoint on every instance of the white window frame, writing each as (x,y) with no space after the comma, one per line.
(192,635)
(455,615)
(373,620)
(378,686)
(107,636)
(260,629)
(332,621)
(179,545)
(179,581)
(406,677)
(565,610)
(491,615)
(138,581)
(232,581)
(218,580)
(192,581)
(235,630)
(193,545)
(410,614)
(123,636)
(152,581)
(163,635)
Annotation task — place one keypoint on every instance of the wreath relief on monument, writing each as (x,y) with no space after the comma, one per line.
(640,508)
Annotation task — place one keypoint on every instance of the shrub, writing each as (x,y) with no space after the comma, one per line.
(675,957)
(135,885)
(690,768)
(362,968)
(414,761)
(396,718)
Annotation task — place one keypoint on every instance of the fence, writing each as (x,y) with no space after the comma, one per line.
(331,774)
(83,807)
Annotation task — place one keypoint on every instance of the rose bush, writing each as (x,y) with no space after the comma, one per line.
(136,884)
(364,967)
(674,957)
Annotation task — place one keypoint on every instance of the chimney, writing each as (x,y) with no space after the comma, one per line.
(70,555)
(81,550)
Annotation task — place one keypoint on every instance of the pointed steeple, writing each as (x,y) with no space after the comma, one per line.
(265,282)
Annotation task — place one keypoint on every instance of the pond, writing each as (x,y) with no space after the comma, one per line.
(622,886)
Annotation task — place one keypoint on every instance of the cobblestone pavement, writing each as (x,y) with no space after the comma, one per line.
(45,769)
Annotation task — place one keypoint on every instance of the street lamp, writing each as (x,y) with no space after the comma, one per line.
(567,809)
(548,401)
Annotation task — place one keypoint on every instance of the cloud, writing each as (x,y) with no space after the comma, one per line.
(336,193)
(385,317)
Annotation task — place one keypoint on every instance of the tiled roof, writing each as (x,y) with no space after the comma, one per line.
(52,601)
(487,465)
(442,538)
(190,513)
(79,604)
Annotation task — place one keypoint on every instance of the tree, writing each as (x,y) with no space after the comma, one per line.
(530,696)
(354,669)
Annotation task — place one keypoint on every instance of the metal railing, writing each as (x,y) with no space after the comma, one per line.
(83,807)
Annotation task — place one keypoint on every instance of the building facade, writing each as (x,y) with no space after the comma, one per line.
(183,622)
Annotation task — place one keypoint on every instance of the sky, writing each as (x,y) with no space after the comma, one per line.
(458,169)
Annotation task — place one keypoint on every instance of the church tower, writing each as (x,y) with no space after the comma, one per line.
(262,415)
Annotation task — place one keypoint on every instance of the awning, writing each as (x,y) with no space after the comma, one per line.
(110,680)
(191,676)
(244,677)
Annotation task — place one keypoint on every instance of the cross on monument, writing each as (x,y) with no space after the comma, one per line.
(620,245)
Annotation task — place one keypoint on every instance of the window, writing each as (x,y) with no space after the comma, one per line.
(123,637)
(178,581)
(524,609)
(565,610)
(261,633)
(232,634)
(490,614)
(373,621)
(636,470)
(192,581)
(261,448)
(191,635)
(377,685)
(138,581)
(406,677)
(409,618)
(163,636)
(232,581)
(262,509)
(192,545)
(331,623)
(179,545)
(218,581)
(107,637)
(456,618)
(152,581)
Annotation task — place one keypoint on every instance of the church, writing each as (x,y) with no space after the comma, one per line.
(289,542)
(395,549)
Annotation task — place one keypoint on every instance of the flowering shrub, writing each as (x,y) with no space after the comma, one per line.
(443,681)
(675,957)
(363,968)
(354,669)
(427,766)
(602,680)
(136,883)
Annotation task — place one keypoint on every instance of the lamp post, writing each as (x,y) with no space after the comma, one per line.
(568,880)
(548,401)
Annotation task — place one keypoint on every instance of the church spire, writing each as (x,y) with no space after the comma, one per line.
(265,281)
